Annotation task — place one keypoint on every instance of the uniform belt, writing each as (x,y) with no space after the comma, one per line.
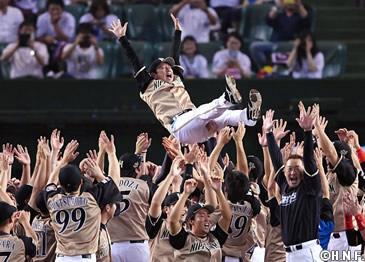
(83,256)
(136,241)
(300,246)
(179,114)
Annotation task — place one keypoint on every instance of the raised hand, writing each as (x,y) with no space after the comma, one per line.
(43,146)
(107,144)
(192,156)
(318,157)
(172,147)
(320,124)
(176,22)
(267,121)
(177,166)
(4,162)
(23,217)
(92,168)
(353,139)
(226,160)
(70,153)
(92,154)
(262,139)
(117,29)
(216,183)
(56,140)
(342,134)
(301,109)
(240,132)
(190,185)
(279,129)
(21,154)
(9,151)
(224,136)
(142,143)
(306,120)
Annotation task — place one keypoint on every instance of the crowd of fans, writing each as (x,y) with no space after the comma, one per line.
(48,42)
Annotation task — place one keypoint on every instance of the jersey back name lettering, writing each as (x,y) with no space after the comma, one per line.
(130,224)
(11,249)
(46,249)
(74,219)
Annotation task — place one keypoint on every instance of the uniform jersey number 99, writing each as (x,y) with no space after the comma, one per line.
(77,215)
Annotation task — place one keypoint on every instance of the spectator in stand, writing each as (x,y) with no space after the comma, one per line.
(10,19)
(305,60)
(229,11)
(83,55)
(204,18)
(231,60)
(55,25)
(26,56)
(99,16)
(195,65)
(286,25)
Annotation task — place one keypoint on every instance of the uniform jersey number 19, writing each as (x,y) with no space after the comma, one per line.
(77,215)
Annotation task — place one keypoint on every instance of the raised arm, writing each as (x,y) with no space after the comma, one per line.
(4,166)
(224,137)
(322,174)
(174,224)
(57,142)
(242,164)
(140,73)
(114,169)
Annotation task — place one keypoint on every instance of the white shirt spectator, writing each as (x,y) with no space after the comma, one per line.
(195,22)
(45,27)
(100,34)
(230,3)
(9,24)
(24,63)
(196,67)
(28,5)
(303,71)
(82,62)
(221,58)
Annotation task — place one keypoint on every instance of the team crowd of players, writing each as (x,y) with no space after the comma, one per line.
(300,198)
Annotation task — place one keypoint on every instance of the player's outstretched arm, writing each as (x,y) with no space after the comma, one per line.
(140,73)
(224,137)
(242,164)
(114,169)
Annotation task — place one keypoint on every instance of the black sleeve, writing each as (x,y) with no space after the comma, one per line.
(22,195)
(178,241)
(152,186)
(103,191)
(255,204)
(274,150)
(153,225)
(175,53)
(165,169)
(187,175)
(48,192)
(263,193)
(345,172)
(140,73)
(354,237)
(326,210)
(274,212)
(220,234)
(30,248)
(308,154)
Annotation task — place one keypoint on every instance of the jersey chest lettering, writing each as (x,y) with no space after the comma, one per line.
(128,183)
(287,200)
(197,246)
(68,202)
(165,234)
(7,245)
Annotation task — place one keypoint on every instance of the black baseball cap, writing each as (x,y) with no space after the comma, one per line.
(70,178)
(342,149)
(256,168)
(158,61)
(23,195)
(128,162)
(6,211)
(195,209)
(171,199)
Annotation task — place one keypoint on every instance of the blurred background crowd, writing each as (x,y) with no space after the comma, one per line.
(247,39)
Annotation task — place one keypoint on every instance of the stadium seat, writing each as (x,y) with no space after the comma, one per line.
(77,10)
(4,66)
(334,52)
(106,69)
(121,65)
(162,49)
(117,10)
(253,25)
(166,22)
(144,22)
(209,49)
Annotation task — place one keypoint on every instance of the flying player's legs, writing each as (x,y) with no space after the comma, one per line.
(130,252)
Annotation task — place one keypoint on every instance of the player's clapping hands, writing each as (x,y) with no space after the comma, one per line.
(224,136)
(143,143)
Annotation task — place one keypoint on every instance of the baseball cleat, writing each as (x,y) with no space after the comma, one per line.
(232,94)
(254,105)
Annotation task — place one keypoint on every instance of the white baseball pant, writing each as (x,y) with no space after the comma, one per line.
(189,128)
(130,252)
(341,244)
(309,253)
(75,258)
(258,254)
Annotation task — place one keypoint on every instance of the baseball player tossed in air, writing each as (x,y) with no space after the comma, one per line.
(161,87)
